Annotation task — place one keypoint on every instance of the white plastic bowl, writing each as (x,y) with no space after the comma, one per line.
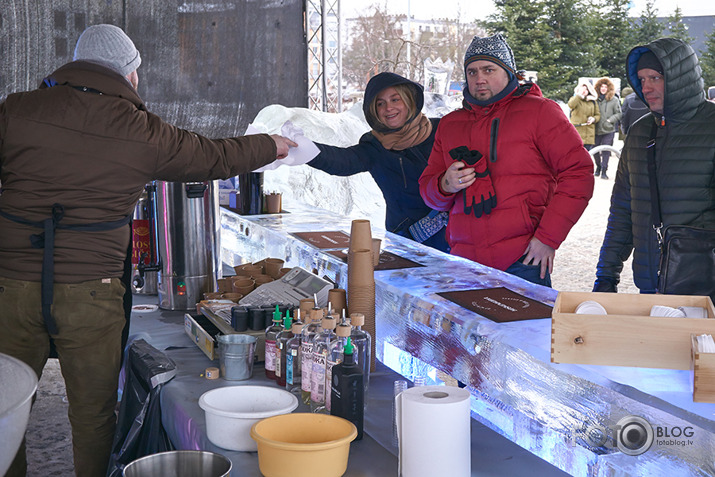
(19,383)
(231,411)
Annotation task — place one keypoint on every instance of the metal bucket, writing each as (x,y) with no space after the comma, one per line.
(144,245)
(185,463)
(236,356)
(189,242)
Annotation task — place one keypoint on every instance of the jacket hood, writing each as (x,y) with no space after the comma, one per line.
(610,93)
(684,86)
(589,87)
(92,75)
(385,80)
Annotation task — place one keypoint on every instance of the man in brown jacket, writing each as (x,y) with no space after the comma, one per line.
(75,156)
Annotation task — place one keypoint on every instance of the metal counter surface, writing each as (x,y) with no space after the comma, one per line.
(553,410)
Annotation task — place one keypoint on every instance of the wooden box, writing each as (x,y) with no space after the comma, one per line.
(627,335)
(703,367)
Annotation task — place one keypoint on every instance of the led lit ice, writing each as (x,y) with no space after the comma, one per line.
(566,414)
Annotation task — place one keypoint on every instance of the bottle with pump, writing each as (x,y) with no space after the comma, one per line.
(335,356)
(293,360)
(271,333)
(281,340)
(306,349)
(320,360)
(362,341)
(347,390)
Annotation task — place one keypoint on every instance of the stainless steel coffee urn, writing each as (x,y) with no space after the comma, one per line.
(144,252)
(189,242)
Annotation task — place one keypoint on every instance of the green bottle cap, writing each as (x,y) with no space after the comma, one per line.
(287,321)
(348,349)
(277,315)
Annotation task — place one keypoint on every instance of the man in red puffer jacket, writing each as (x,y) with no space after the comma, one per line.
(509,167)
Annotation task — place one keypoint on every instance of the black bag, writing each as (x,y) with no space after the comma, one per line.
(687,261)
(687,254)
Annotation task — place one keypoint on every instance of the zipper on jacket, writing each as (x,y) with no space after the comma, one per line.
(493,140)
(404,177)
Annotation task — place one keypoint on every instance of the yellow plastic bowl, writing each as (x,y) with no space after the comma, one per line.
(303,445)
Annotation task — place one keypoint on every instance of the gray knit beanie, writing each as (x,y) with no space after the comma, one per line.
(491,48)
(109,46)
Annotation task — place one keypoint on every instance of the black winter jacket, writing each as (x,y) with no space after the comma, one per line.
(395,172)
(685,165)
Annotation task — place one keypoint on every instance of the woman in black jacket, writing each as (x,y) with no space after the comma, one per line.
(394,152)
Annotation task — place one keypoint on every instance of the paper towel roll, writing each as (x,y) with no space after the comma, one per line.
(434,432)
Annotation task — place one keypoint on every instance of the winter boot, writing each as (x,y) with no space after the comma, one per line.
(597,159)
(598,171)
(603,174)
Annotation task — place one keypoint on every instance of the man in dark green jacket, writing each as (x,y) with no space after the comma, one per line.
(666,75)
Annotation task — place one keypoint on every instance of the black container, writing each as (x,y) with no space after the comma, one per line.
(268,315)
(256,319)
(250,188)
(239,318)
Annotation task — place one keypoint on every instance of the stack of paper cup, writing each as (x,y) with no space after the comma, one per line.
(361,279)
(590,307)
(661,310)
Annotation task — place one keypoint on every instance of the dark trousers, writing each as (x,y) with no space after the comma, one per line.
(90,318)
(602,158)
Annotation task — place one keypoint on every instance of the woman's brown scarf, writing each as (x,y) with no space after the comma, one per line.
(411,134)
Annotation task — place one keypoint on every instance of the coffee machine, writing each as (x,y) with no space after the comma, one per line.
(188,227)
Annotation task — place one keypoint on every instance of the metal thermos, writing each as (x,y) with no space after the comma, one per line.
(189,236)
(250,193)
(144,254)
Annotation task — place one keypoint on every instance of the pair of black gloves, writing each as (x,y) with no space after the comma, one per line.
(480,197)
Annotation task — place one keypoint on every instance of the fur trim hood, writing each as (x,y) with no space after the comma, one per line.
(611,88)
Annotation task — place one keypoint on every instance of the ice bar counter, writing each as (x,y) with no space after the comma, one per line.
(567,414)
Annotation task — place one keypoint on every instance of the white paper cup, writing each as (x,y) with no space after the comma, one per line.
(590,307)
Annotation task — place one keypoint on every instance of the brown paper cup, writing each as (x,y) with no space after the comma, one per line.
(261,279)
(249,271)
(232,296)
(305,306)
(273,203)
(243,285)
(360,268)
(224,285)
(337,297)
(376,243)
(273,266)
(283,271)
(360,235)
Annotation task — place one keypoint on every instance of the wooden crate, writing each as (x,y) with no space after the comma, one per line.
(627,336)
(703,368)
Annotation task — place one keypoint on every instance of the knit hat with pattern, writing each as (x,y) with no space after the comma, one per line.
(109,46)
(491,48)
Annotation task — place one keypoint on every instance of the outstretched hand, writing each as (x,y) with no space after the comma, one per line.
(283,145)
(538,253)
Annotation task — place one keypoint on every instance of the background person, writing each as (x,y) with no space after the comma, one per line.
(632,109)
(509,167)
(394,152)
(75,156)
(666,75)
(610,108)
(585,112)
